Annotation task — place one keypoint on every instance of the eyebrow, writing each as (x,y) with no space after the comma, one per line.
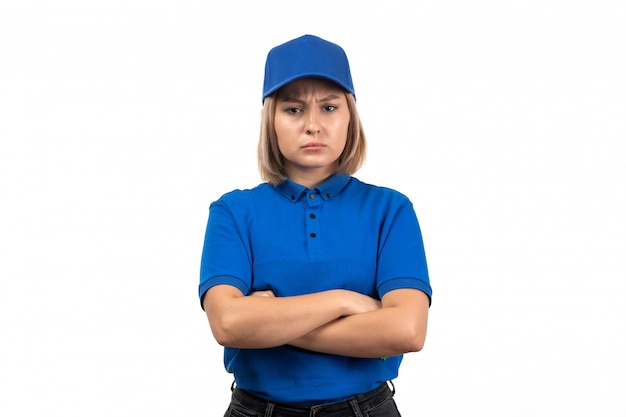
(297,99)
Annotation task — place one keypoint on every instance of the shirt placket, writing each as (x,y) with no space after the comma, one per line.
(314,205)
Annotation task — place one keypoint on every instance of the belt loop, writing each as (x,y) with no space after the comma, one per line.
(269,410)
(393,388)
(232,386)
(355,407)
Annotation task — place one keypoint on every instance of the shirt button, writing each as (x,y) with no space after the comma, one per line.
(312,215)
(313,235)
(293,197)
(327,195)
(312,196)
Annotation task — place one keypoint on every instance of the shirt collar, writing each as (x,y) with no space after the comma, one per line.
(328,189)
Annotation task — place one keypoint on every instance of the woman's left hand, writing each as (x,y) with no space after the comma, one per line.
(265,293)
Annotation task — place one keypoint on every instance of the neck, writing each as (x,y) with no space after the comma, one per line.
(309,177)
(309,181)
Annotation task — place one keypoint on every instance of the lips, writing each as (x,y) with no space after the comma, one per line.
(313,146)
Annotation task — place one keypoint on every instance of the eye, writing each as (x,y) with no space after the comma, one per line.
(293,110)
(330,108)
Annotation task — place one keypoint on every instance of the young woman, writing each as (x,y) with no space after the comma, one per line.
(314,282)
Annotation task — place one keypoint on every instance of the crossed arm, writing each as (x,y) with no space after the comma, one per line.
(338,322)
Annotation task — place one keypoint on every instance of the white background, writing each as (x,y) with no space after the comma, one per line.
(503,121)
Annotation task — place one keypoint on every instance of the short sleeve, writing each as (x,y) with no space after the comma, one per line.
(226,257)
(401,255)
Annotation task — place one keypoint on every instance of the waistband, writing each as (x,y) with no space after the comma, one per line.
(357,405)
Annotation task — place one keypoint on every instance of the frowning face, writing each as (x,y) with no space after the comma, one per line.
(311,123)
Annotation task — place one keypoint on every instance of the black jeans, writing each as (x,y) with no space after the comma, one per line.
(376,403)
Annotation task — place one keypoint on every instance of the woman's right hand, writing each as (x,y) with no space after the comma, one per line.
(357,303)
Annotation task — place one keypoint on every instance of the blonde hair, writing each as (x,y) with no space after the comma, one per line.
(271,162)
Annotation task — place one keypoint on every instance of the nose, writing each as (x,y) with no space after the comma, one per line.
(312,126)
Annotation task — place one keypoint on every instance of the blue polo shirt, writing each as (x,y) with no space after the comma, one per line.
(293,240)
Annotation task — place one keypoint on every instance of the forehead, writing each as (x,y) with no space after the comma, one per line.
(310,86)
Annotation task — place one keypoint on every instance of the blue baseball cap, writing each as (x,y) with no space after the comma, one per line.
(306,57)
